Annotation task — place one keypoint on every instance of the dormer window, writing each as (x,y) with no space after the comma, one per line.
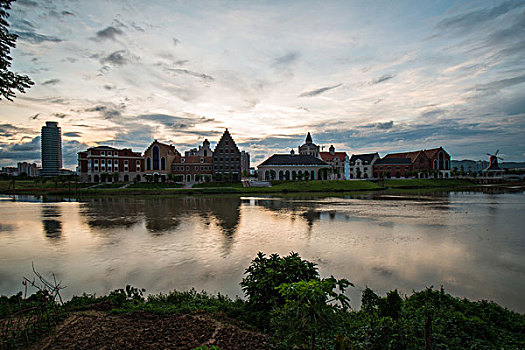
(182,160)
(202,160)
(102,153)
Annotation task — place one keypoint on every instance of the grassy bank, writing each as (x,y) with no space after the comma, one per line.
(287,303)
(30,187)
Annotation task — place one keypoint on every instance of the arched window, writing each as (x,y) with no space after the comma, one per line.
(312,175)
(281,175)
(267,175)
(435,164)
(156,158)
(205,153)
(441,158)
(287,175)
(447,166)
(162,163)
(148,163)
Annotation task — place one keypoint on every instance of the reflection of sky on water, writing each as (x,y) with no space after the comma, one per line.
(471,243)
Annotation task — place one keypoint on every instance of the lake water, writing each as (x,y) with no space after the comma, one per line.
(471,243)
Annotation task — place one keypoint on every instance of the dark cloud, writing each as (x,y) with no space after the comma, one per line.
(318,91)
(67,13)
(59,115)
(477,18)
(23,25)
(176,122)
(286,60)
(72,134)
(60,15)
(382,79)
(109,87)
(51,82)
(108,112)
(433,113)
(117,58)
(10,130)
(176,41)
(35,38)
(21,151)
(497,85)
(109,33)
(28,3)
(193,74)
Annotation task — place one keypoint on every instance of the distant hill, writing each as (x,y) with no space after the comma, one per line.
(474,165)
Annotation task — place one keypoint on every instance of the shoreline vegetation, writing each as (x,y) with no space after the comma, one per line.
(287,306)
(65,188)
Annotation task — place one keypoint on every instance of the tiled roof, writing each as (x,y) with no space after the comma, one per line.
(288,159)
(393,161)
(368,157)
(328,157)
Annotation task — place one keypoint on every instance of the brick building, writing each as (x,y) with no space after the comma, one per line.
(226,159)
(422,163)
(158,158)
(196,166)
(108,164)
(337,161)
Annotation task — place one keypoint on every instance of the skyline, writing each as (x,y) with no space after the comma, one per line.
(381,77)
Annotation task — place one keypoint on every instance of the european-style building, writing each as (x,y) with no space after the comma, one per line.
(361,165)
(226,159)
(108,164)
(158,158)
(337,161)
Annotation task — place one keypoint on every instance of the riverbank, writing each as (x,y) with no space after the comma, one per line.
(193,320)
(65,189)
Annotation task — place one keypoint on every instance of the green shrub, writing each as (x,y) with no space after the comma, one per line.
(265,274)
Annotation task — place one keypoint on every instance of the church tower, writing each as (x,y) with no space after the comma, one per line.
(309,148)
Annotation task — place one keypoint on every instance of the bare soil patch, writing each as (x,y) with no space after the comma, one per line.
(142,330)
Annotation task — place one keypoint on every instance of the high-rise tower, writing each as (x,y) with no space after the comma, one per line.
(51,148)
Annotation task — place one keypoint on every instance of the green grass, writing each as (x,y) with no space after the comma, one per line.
(218,185)
(421,183)
(154,185)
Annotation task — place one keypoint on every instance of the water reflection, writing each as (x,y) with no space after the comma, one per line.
(51,221)
(471,243)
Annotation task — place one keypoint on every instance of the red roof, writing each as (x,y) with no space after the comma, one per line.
(328,157)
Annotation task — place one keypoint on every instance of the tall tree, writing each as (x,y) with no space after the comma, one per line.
(9,81)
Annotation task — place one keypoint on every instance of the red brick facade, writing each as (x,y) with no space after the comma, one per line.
(108,164)
(192,169)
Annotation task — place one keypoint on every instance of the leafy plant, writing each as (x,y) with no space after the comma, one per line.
(311,310)
(265,274)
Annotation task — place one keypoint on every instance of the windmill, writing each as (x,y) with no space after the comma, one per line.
(493,168)
(493,164)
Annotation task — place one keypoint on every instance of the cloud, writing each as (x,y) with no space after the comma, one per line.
(176,41)
(108,112)
(10,130)
(476,18)
(193,74)
(59,115)
(318,91)
(497,85)
(382,79)
(286,59)
(174,121)
(27,3)
(35,38)
(51,82)
(109,87)
(109,33)
(117,58)
(72,134)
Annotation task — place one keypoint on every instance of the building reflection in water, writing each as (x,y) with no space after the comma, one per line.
(164,215)
(51,221)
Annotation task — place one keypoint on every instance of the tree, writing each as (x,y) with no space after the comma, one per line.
(9,81)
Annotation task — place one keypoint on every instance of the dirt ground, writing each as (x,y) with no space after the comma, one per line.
(141,330)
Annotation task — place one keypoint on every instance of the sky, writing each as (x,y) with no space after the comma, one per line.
(364,76)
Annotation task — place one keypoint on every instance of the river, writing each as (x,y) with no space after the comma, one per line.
(471,243)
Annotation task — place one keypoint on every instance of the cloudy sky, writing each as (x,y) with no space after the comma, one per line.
(365,76)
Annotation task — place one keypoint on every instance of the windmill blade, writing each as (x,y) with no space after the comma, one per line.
(500,158)
(497,151)
(488,154)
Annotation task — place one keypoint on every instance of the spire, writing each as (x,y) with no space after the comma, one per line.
(308,138)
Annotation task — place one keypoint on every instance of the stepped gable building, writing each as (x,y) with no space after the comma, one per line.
(158,158)
(196,166)
(336,160)
(361,165)
(226,159)
(108,164)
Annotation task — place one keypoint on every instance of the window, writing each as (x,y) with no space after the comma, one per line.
(156,157)
(202,160)
(187,168)
(96,161)
(182,160)
(138,165)
(109,153)
(102,161)
(102,153)
(148,163)
(162,163)
(115,163)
